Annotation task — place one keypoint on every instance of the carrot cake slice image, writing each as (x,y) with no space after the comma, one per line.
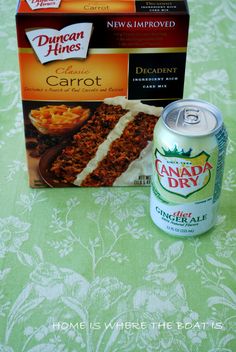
(113,148)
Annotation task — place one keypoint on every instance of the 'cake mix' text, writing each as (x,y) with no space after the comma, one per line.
(95,76)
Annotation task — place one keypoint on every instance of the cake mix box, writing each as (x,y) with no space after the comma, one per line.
(95,76)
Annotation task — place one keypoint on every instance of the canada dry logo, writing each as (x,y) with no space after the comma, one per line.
(181,174)
(70,42)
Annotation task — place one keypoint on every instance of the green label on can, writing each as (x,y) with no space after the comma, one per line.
(181,176)
(180,173)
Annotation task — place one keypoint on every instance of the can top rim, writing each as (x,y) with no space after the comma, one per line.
(192,117)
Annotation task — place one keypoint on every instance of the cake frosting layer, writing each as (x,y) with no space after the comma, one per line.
(123,151)
(135,107)
(112,148)
(104,147)
(76,155)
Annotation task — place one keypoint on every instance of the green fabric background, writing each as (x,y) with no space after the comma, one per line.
(71,256)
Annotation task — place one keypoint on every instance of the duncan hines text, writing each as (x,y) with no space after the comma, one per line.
(95,76)
(70,42)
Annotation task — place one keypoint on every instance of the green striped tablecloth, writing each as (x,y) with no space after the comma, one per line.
(86,269)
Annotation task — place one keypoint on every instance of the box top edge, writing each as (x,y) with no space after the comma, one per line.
(54,7)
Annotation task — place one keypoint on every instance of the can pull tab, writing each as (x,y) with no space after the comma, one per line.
(191,115)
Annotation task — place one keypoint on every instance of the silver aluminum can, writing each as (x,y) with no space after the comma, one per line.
(188,162)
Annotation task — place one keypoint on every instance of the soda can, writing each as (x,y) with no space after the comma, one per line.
(188,162)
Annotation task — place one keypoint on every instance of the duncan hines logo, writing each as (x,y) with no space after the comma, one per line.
(70,42)
(43,4)
(141,24)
